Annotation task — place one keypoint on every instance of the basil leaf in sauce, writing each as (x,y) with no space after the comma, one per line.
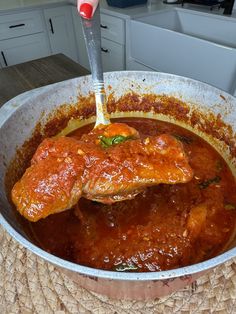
(110,141)
(126,267)
(183,139)
(230,207)
(206,183)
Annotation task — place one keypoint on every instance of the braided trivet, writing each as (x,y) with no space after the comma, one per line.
(30,285)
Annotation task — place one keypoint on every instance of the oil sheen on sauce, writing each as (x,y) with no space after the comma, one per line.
(166,227)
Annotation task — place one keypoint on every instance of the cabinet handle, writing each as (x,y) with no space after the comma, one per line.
(4,58)
(103,26)
(51,25)
(17,25)
(105,50)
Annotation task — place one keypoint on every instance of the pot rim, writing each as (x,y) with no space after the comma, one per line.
(5,111)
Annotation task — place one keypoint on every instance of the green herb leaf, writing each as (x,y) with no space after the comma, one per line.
(126,267)
(205,184)
(230,207)
(110,141)
(183,139)
(105,141)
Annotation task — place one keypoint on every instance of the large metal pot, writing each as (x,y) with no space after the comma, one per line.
(19,117)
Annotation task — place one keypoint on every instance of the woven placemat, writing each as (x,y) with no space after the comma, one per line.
(30,285)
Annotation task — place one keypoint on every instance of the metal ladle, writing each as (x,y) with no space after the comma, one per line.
(92,35)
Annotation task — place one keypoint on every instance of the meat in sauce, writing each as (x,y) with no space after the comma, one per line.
(109,164)
(164,227)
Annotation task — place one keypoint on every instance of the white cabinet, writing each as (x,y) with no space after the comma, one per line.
(112,56)
(113,39)
(112,45)
(81,46)
(37,33)
(22,37)
(133,65)
(21,24)
(22,49)
(113,28)
(61,31)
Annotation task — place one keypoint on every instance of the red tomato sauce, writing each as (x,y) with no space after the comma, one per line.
(165,227)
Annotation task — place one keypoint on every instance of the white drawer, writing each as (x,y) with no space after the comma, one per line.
(20,24)
(112,56)
(23,49)
(113,28)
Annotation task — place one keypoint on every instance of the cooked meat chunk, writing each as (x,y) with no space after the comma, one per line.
(197,220)
(53,182)
(109,164)
(128,168)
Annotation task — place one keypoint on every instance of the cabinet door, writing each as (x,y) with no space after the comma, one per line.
(81,46)
(22,49)
(112,56)
(113,28)
(133,65)
(61,31)
(21,24)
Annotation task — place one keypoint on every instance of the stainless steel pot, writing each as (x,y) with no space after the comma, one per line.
(19,117)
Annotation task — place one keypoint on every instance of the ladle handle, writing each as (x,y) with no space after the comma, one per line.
(92,35)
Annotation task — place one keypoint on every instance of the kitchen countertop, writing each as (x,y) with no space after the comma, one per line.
(144,10)
(133,11)
(129,12)
(23,77)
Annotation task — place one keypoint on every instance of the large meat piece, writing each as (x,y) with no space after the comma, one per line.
(109,164)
